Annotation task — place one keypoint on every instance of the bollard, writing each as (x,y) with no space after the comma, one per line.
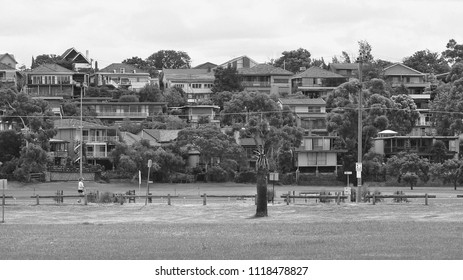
(374,199)
(287,198)
(168,199)
(85,199)
(121,198)
(204,199)
(37,199)
(255,199)
(294,199)
(426,199)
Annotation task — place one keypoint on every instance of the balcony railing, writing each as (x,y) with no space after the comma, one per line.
(255,84)
(7,80)
(58,154)
(91,155)
(100,138)
(122,114)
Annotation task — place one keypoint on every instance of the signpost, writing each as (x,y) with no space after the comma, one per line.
(273,176)
(4,182)
(358,168)
(150,163)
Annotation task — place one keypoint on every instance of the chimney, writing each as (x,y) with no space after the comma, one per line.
(86,54)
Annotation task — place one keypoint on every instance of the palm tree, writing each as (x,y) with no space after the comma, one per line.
(262,172)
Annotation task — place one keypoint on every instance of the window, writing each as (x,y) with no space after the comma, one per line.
(314,109)
(196,85)
(179,85)
(208,85)
(122,70)
(317,144)
(36,79)
(280,81)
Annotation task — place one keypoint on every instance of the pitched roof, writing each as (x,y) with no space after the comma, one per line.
(344,66)
(130,139)
(188,74)
(205,65)
(50,68)
(72,54)
(302,101)
(401,69)
(264,69)
(162,135)
(117,66)
(74,123)
(317,72)
(4,66)
(7,54)
(225,64)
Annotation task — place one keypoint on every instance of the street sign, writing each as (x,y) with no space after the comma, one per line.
(150,163)
(358,166)
(359,174)
(273,176)
(347,172)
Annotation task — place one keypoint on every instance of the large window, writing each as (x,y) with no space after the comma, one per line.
(196,85)
(281,81)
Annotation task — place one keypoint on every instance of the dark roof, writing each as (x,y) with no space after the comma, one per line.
(72,54)
(317,72)
(401,69)
(117,66)
(50,68)
(344,66)
(4,66)
(236,59)
(264,69)
(302,101)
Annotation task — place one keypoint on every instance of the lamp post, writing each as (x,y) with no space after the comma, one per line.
(81,129)
(359,137)
(150,163)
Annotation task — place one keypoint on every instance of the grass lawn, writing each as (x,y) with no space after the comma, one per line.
(226,230)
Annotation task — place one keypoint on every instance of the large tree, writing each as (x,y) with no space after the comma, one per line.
(294,60)
(143,65)
(426,61)
(226,79)
(454,52)
(169,59)
(408,166)
(450,171)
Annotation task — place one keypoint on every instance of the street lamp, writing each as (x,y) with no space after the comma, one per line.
(359,138)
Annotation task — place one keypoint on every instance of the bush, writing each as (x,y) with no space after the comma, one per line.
(287,179)
(249,176)
(216,174)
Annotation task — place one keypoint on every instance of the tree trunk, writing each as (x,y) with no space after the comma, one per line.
(261,202)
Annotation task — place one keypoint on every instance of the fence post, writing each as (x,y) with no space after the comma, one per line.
(62,194)
(122,198)
(426,199)
(374,199)
(294,199)
(37,197)
(204,199)
(287,197)
(168,199)
(85,199)
(255,199)
(337,198)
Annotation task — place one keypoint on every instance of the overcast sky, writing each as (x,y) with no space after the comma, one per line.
(219,30)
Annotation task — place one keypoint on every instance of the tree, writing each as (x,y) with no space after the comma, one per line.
(404,115)
(450,171)
(10,145)
(143,65)
(175,97)
(169,59)
(454,52)
(408,165)
(365,51)
(44,59)
(294,60)
(456,72)
(150,93)
(426,61)
(226,79)
(446,109)
(222,97)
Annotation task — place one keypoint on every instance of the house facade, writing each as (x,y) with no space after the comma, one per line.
(116,112)
(8,75)
(390,145)
(196,83)
(310,114)
(316,82)
(266,78)
(79,62)
(121,75)
(98,140)
(348,70)
(8,59)
(418,88)
(318,154)
(193,113)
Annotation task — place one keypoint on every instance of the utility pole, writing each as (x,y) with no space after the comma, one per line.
(81,129)
(359,137)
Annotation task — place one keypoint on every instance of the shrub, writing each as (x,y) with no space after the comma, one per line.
(249,176)
(216,174)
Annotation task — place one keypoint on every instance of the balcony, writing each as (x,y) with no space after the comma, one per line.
(58,154)
(255,84)
(122,114)
(96,155)
(88,139)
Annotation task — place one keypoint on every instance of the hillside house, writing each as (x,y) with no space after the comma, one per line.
(316,82)
(121,75)
(266,78)
(196,83)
